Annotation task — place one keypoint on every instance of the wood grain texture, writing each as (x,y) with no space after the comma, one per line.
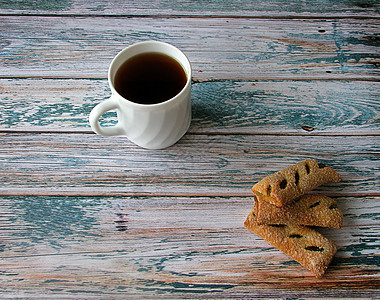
(224,165)
(274,82)
(83,47)
(256,8)
(224,107)
(171,246)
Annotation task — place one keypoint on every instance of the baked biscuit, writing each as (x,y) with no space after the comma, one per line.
(288,184)
(303,244)
(309,210)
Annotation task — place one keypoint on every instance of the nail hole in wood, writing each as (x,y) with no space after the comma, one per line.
(120,221)
(121,228)
(307,128)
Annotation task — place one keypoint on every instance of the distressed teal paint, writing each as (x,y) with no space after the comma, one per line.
(181,287)
(221,104)
(100,7)
(227,252)
(45,114)
(227,104)
(363,260)
(48,5)
(6,273)
(295,6)
(108,119)
(53,218)
(288,263)
(55,281)
(202,6)
(82,291)
(357,249)
(374,216)
(190,274)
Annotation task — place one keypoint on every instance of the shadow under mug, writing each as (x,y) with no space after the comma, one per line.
(151,126)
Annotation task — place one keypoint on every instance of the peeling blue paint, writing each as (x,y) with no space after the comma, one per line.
(53,218)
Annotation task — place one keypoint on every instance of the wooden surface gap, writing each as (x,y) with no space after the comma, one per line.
(38,193)
(209,80)
(194,16)
(205,133)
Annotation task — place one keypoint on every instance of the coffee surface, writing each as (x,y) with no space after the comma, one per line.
(150,78)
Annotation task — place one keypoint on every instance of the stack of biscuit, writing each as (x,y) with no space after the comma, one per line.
(283,212)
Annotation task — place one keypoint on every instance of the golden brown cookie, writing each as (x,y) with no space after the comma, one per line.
(303,244)
(288,184)
(309,210)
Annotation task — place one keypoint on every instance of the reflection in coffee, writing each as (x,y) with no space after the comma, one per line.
(150,78)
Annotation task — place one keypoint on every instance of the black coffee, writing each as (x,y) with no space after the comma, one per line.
(150,78)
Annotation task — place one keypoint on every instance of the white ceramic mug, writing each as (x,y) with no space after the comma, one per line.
(151,126)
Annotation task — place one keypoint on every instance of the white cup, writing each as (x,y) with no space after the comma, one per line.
(151,126)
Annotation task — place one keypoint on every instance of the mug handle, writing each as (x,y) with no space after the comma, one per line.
(98,111)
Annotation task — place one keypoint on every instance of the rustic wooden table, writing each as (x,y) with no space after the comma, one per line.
(85,216)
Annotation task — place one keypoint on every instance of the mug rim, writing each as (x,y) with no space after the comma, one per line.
(139,44)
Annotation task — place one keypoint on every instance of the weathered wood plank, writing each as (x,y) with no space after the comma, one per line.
(324,107)
(169,246)
(169,224)
(294,8)
(241,48)
(224,165)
